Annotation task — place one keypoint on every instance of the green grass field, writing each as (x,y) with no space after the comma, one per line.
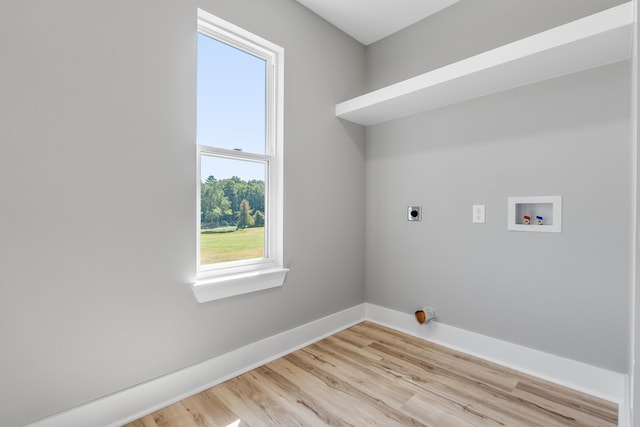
(242,244)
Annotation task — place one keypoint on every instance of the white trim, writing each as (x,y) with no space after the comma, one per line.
(624,407)
(633,411)
(576,375)
(232,34)
(599,39)
(135,402)
(237,284)
(224,280)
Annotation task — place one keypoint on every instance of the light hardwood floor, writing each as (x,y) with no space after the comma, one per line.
(369,375)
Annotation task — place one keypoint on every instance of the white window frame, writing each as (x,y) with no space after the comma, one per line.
(227,279)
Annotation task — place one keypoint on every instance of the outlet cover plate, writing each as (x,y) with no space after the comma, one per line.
(478,214)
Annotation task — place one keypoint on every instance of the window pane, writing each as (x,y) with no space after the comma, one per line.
(232,210)
(231,97)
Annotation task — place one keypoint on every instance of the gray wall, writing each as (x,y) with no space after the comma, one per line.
(567,293)
(465,29)
(97,218)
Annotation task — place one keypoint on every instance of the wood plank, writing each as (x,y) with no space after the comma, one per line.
(372,375)
(387,389)
(562,398)
(459,392)
(209,410)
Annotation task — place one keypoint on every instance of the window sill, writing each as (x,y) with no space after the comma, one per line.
(238,284)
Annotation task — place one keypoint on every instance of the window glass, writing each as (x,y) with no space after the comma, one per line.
(231,97)
(232,210)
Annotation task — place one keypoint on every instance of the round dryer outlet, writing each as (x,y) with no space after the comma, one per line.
(414,213)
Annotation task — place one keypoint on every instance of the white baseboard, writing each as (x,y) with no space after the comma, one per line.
(579,376)
(137,401)
(130,404)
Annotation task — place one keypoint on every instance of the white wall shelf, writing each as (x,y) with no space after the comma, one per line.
(545,214)
(598,39)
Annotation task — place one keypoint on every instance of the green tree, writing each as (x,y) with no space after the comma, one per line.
(258,218)
(220,201)
(214,206)
(255,194)
(244,215)
(231,187)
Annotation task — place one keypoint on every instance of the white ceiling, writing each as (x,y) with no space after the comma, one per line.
(371,20)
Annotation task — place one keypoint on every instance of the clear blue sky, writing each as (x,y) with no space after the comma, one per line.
(231,107)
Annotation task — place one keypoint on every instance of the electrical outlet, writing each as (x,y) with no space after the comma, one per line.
(478,214)
(414,213)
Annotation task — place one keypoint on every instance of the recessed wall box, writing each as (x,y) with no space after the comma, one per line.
(541,214)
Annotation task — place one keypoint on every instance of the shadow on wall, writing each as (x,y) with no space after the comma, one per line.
(515,113)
